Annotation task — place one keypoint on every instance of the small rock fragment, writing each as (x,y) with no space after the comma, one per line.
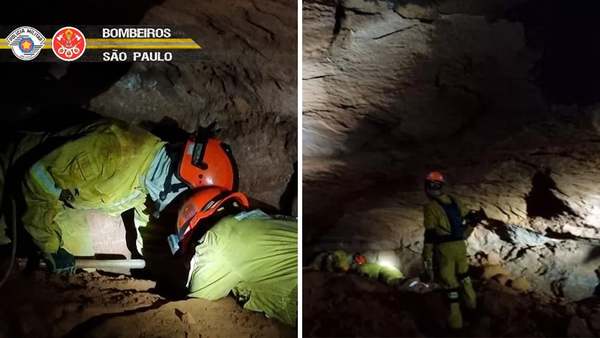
(490,271)
(520,284)
(578,328)
(502,279)
(188,319)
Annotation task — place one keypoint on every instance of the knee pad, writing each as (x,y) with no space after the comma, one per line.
(453,295)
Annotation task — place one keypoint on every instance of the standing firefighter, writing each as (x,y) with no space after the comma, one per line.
(445,251)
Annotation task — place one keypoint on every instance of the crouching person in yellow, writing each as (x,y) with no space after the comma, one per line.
(445,250)
(240,251)
(342,261)
(100,167)
(107,166)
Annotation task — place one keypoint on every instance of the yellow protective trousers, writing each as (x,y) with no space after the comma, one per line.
(452,273)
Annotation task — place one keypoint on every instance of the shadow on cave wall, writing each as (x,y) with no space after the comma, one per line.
(47,94)
(541,200)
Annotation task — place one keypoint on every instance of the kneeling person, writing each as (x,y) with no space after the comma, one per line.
(242,251)
(342,261)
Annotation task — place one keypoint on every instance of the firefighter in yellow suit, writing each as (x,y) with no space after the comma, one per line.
(241,251)
(108,166)
(342,261)
(100,168)
(445,249)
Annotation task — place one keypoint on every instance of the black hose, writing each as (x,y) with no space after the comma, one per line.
(13,253)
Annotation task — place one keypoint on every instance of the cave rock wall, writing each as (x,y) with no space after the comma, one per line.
(395,89)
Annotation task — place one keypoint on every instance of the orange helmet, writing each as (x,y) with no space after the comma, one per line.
(435,176)
(204,203)
(359,259)
(206,161)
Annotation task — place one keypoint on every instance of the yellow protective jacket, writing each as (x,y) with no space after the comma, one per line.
(255,258)
(435,219)
(102,168)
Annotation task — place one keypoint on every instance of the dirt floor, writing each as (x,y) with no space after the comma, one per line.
(345,305)
(93,304)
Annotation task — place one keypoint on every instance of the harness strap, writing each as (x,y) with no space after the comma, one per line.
(456,223)
(168,187)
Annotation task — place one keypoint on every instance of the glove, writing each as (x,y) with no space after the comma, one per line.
(473,218)
(61,262)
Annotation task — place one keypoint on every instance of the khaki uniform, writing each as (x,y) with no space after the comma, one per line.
(450,257)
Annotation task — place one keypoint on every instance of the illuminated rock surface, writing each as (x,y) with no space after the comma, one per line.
(485,91)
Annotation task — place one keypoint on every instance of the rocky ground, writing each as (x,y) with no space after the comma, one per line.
(93,304)
(341,305)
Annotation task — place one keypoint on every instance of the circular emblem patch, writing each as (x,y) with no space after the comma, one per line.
(68,43)
(25,42)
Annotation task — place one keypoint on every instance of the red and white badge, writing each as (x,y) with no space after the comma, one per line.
(68,43)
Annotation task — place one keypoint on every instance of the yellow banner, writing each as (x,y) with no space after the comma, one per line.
(127,44)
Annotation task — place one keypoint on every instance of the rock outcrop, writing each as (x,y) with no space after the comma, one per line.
(246,83)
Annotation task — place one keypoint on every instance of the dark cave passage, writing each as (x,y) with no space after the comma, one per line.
(564,34)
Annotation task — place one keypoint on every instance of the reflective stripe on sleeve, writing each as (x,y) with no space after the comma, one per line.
(43,178)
